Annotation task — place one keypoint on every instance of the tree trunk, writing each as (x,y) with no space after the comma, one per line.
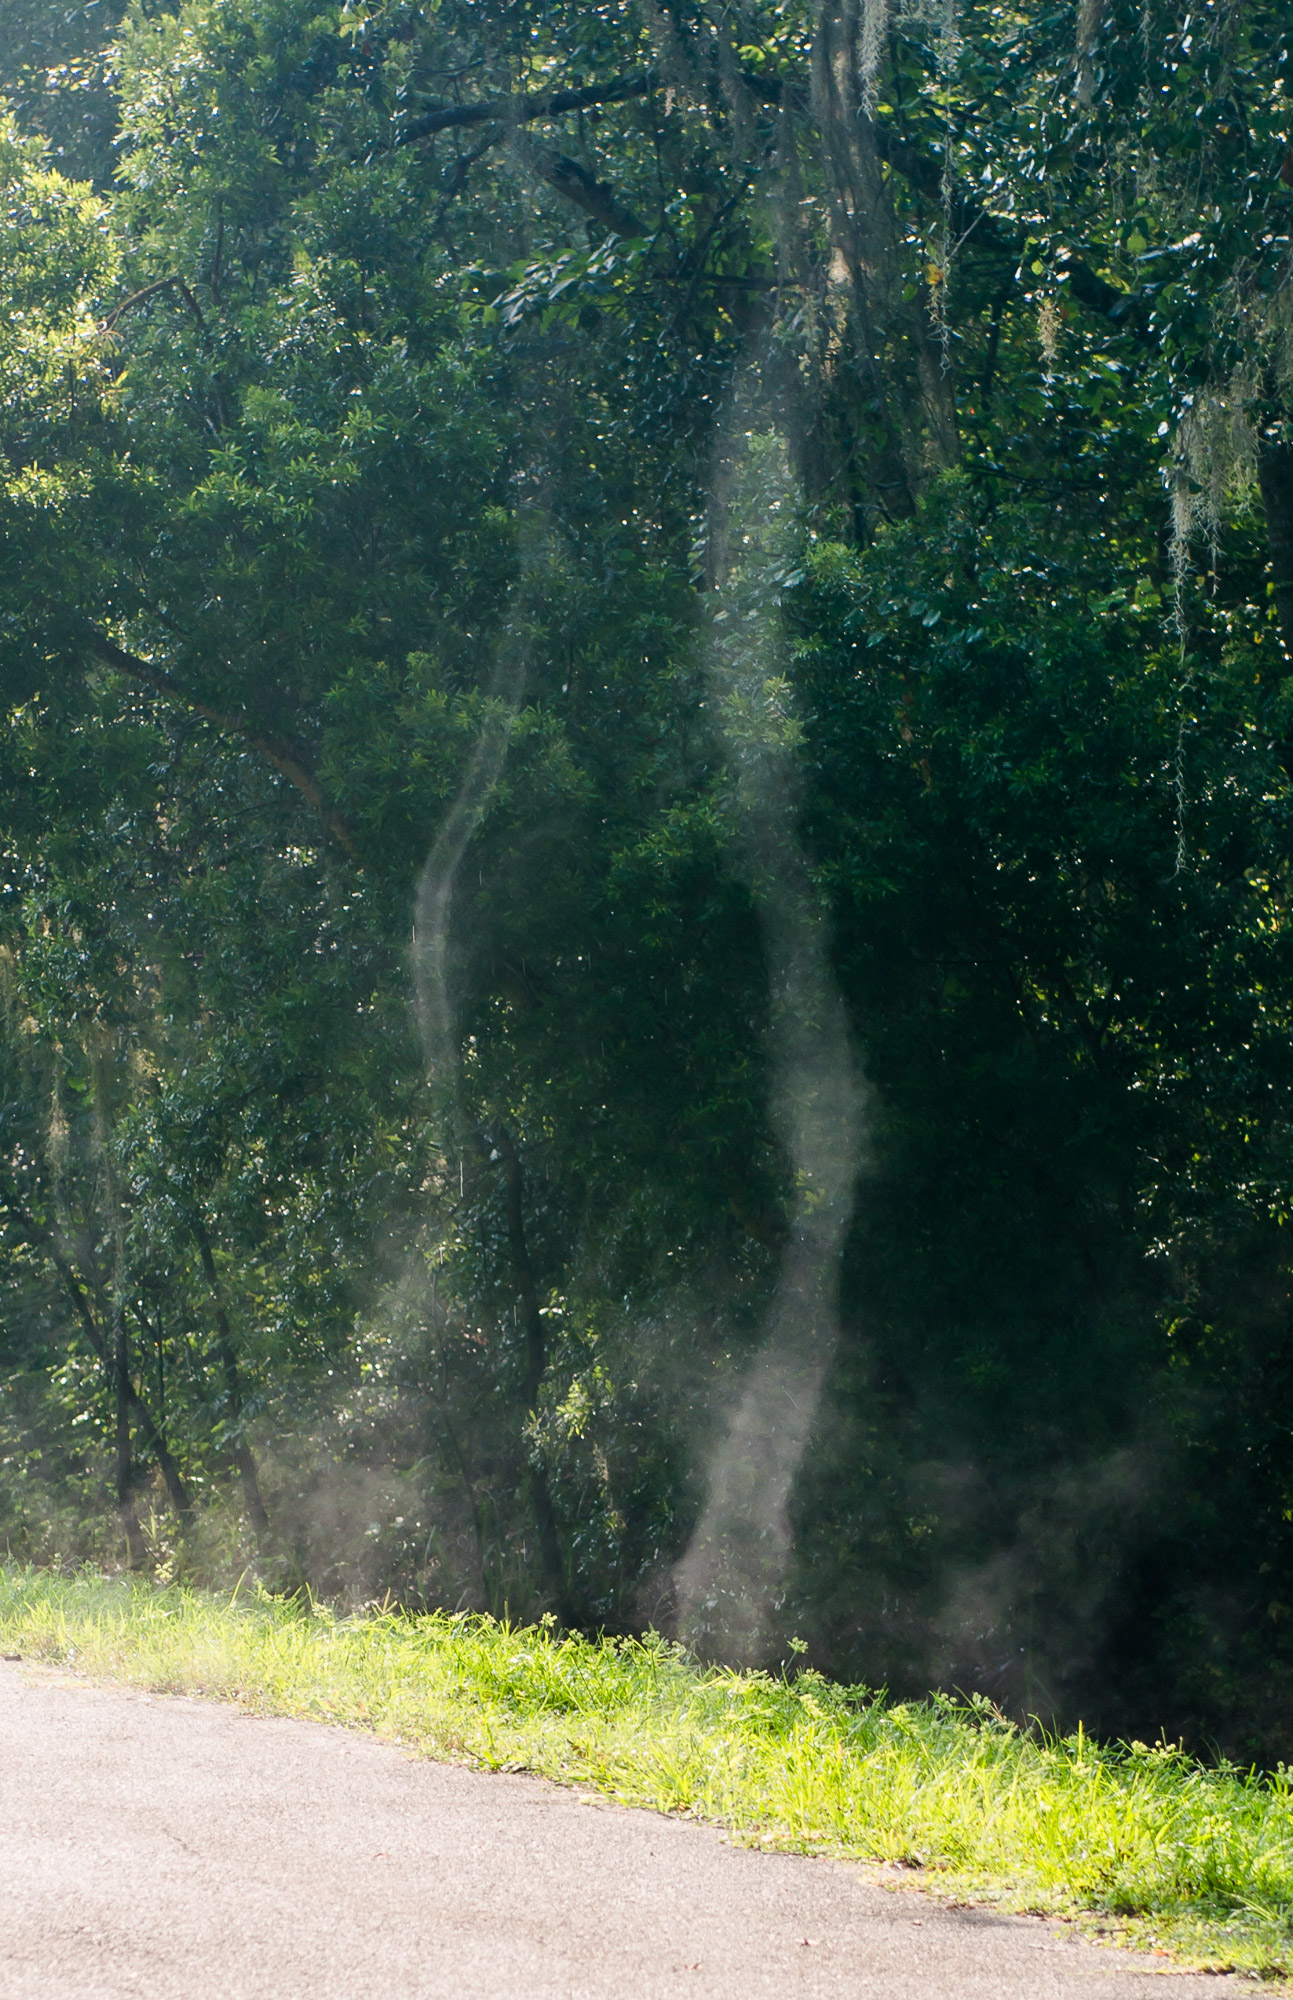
(116,1355)
(153,1430)
(536,1362)
(473,1504)
(1275,478)
(904,425)
(242,1453)
(136,1547)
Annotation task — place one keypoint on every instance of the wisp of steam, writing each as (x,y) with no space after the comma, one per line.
(433,898)
(731,1578)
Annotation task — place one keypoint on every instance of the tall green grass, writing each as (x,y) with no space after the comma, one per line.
(1142,1842)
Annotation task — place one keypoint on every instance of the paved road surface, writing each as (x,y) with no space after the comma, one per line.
(168,1849)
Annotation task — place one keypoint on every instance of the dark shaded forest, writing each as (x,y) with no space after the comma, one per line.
(645,824)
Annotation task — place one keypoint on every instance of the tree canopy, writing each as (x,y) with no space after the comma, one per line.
(648,657)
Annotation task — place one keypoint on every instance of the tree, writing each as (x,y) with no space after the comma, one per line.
(382,926)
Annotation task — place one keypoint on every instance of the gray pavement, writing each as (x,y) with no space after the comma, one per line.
(171,1849)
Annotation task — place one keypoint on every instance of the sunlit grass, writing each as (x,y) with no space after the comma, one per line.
(1142,1842)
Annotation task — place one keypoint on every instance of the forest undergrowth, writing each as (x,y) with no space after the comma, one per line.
(1140,1844)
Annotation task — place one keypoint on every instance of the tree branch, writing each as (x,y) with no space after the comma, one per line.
(523,110)
(287,757)
(454,179)
(172,283)
(921,170)
(567,176)
(596,198)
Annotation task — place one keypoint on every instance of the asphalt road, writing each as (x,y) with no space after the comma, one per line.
(170,1849)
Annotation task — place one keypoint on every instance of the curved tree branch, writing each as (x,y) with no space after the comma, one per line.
(523,110)
(172,283)
(596,198)
(288,757)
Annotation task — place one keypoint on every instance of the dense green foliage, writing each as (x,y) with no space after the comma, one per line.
(480,479)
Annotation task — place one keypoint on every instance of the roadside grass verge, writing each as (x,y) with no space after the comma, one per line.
(1138,1843)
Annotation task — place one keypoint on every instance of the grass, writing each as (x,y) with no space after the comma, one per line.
(1138,1843)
